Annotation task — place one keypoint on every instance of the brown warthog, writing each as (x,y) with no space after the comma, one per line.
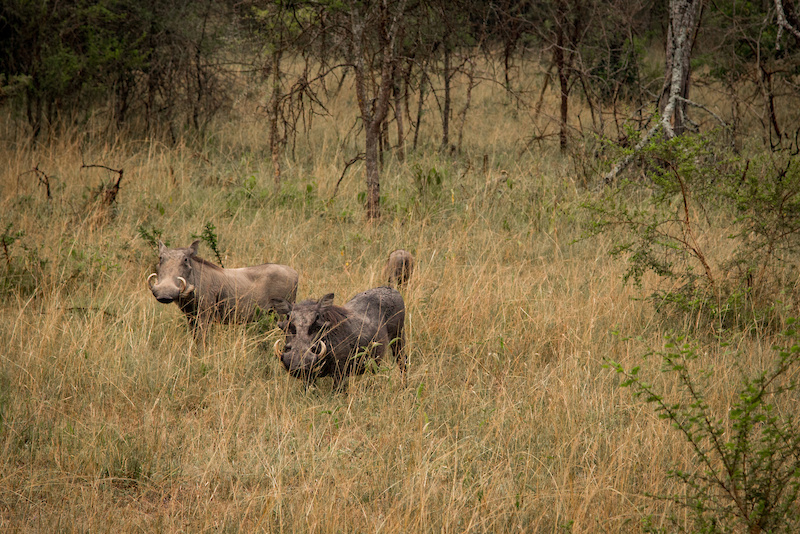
(399,267)
(206,292)
(327,340)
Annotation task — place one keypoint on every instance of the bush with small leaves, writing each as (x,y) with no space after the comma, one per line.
(746,475)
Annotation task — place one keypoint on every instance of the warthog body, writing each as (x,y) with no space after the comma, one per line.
(327,340)
(206,292)
(399,267)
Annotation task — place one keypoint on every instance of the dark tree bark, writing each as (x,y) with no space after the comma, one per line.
(446,106)
(420,103)
(569,23)
(563,78)
(275,141)
(397,91)
(373,108)
(462,115)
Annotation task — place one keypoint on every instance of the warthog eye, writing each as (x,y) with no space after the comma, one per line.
(318,325)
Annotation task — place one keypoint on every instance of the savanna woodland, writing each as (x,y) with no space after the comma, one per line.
(602,198)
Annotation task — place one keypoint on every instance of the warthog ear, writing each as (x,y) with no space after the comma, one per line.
(281,306)
(195,246)
(161,248)
(325,302)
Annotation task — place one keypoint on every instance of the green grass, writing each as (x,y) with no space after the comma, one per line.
(112,418)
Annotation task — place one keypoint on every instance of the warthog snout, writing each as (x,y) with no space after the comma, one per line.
(166,291)
(305,363)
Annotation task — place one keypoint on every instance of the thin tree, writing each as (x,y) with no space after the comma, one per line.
(383,20)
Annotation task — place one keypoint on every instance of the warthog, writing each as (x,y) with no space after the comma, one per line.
(206,292)
(399,267)
(327,340)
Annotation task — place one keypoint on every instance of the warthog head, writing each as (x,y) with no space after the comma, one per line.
(307,328)
(399,267)
(169,282)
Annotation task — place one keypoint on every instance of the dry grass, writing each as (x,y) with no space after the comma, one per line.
(112,418)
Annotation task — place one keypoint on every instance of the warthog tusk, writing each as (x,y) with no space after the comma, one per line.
(149,284)
(324,349)
(275,348)
(183,284)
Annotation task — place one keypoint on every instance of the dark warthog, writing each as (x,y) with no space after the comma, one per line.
(206,292)
(327,340)
(399,267)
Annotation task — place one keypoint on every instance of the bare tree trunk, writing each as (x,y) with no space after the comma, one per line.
(420,103)
(373,111)
(446,109)
(563,82)
(507,51)
(275,144)
(383,144)
(397,80)
(33,108)
(462,115)
(564,58)
(684,18)
(545,83)
(367,116)
(373,173)
(765,83)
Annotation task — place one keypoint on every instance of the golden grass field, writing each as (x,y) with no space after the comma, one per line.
(113,419)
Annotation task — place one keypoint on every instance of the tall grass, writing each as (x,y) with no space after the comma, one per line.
(111,417)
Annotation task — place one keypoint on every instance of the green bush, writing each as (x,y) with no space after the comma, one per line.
(746,475)
(720,233)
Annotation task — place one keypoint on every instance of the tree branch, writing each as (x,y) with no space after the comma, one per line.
(610,176)
(783,24)
(347,165)
(704,108)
